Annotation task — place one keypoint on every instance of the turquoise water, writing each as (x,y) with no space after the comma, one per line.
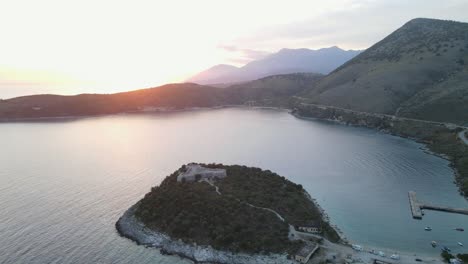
(63,184)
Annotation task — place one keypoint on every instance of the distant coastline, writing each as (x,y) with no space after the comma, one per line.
(188,109)
(369,120)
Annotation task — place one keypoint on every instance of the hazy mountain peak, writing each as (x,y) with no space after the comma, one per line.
(223,67)
(282,62)
(332,48)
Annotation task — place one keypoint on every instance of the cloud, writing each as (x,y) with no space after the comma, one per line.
(243,56)
(359,26)
(21,81)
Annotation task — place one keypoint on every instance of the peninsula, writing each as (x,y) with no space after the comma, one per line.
(228,214)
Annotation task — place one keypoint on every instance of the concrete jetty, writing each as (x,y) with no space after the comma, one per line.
(417,207)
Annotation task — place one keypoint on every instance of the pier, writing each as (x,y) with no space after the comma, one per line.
(415,206)
(418,206)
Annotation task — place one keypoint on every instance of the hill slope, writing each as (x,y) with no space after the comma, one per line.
(418,71)
(273,90)
(171,96)
(285,61)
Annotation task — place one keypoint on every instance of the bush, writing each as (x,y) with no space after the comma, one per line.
(446,256)
(197,177)
(463,257)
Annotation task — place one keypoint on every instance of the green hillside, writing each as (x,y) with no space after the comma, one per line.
(274,90)
(418,71)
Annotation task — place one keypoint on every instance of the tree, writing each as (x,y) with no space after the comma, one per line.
(198,177)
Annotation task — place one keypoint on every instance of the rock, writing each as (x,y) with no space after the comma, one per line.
(130,227)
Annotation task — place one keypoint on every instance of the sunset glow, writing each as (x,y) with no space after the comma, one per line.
(70,47)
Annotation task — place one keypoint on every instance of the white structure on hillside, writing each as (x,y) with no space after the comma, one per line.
(304,254)
(310,229)
(194,171)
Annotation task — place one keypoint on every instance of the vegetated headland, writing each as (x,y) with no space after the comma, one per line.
(214,213)
(227,214)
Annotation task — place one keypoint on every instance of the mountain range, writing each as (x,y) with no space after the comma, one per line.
(418,71)
(285,61)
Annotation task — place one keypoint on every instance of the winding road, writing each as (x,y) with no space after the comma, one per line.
(462,135)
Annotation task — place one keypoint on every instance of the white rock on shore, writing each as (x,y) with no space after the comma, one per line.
(129,226)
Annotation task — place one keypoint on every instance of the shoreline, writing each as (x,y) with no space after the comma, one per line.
(189,109)
(424,145)
(130,227)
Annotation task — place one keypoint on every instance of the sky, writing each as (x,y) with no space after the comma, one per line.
(99,46)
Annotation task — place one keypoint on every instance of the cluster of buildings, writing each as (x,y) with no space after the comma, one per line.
(195,172)
(309,249)
(306,252)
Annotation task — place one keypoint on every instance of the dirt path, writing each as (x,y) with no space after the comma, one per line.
(212,184)
(293,234)
(462,136)
(251,205)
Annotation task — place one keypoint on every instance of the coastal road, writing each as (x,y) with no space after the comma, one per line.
(394,117)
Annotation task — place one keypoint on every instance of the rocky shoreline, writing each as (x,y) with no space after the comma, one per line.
(415,130)
(130,227)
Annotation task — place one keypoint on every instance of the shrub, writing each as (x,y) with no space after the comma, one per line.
(197,177)
(446,256)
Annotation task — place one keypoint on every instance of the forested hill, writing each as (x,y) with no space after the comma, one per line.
(273,90)
(173,96)
(233,216)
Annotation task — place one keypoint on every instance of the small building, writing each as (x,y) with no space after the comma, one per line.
(195,172)
(310,229)
(455,261)
(313,228)
(306,252)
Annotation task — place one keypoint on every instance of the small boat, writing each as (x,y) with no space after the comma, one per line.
(460,229)
(357,247)
(428,228)
(434,244)
(446,249)
(460,244)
